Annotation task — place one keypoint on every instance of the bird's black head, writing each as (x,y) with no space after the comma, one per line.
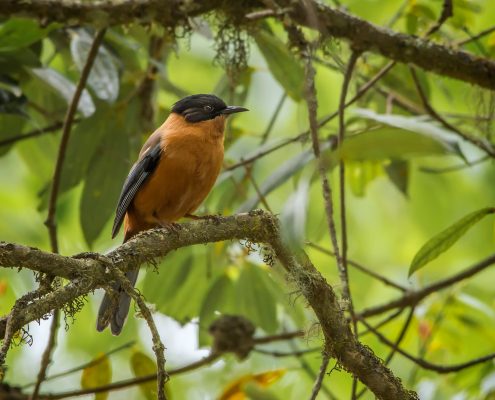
(202,107)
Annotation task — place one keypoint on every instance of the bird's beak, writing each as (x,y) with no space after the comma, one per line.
(233,110)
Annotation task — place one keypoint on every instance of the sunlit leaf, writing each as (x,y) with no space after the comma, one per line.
(446,239)
(361,173)
(97,375)
(294,214)
(65,89)
(104,77)
(434,139)
(143,365)
(282,63)
(235,390)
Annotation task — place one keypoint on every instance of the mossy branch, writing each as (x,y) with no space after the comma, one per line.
(88,274)
(330,22)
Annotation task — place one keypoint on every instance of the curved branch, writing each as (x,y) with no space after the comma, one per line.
(256,226)
(330,22)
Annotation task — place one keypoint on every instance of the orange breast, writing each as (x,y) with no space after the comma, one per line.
(188,168)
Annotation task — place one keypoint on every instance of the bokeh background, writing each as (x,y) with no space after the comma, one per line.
(388,219)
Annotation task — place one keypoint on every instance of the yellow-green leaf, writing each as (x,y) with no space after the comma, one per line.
(235,390)
(143,365)
(446,239)
(96,375)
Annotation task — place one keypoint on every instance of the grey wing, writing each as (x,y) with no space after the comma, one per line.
(137,176)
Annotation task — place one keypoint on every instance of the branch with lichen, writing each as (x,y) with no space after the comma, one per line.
(88,274)
(330,22)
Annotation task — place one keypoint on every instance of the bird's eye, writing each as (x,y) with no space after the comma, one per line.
(208,108)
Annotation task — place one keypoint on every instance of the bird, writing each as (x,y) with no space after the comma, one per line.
(176,169)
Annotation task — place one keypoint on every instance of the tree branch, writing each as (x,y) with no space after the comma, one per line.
(414,297)
(257,226)
(330,22)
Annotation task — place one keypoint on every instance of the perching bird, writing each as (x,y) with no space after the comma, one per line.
(175,171)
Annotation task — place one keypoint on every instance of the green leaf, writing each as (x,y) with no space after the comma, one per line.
(446,239)
(10,126)
(106,173)
(84,140)
(19,32)
(143,365)
(294,214)
(96,375)
(254,297)
(104,77)
(282,63)
(361,173)
(65,89)
(219,298)
(430,138)
(398,173)
(179,289)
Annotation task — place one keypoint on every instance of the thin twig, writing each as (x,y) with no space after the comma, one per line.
(151,377)
(383,322)
(454,168)
(475,37)
(273,118)
(398,341)
(158,347)
(325,120)
(66,129)
(441,369)
(276,338)
(133,381)
(280,354)
(361,268)
(312,106)
(34,133)
(485,146)
(52,205)
(7,338)
(88,364)
(321,375)
(261,197)
(414,297)
(46,358)
(344,276)
(447,12)
(309,371)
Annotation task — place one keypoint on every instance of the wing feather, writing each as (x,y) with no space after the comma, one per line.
(137,176)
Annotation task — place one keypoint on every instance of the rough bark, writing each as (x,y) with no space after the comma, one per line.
(88,274)
(361,34)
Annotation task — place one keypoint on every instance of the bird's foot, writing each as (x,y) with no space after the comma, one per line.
(94,256)
(173,227)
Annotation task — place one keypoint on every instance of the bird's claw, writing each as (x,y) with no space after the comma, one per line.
(171,226)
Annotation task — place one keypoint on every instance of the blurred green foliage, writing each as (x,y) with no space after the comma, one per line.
(394,205)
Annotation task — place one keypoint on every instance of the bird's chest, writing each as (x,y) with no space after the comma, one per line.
(184,176)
